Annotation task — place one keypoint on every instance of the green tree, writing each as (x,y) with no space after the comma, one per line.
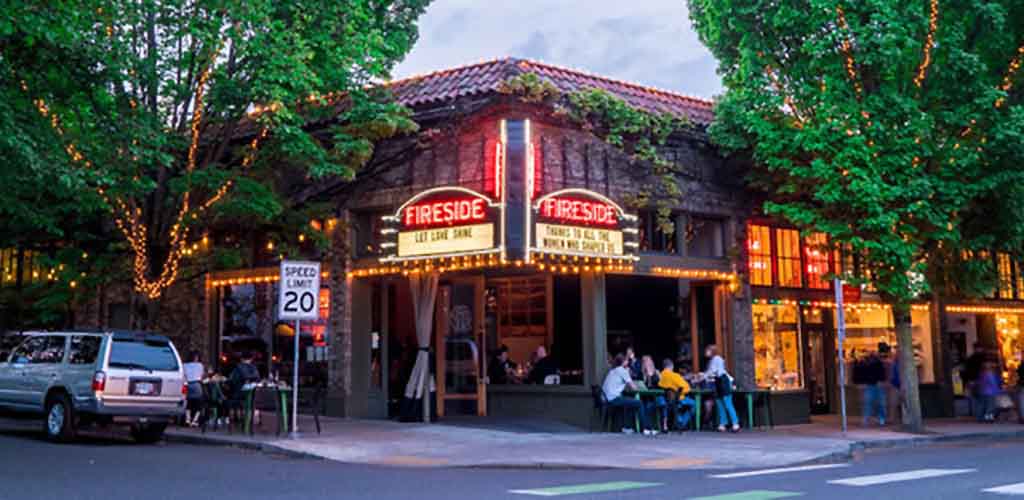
(170,114)
(886,125)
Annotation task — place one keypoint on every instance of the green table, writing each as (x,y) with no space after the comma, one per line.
(250,397)
(698,394)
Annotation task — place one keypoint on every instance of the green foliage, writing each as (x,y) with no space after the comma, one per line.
(636,132)
(122,79)
(847,144)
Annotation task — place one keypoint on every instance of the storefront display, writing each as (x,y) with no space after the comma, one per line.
(777,359)
(1010,345)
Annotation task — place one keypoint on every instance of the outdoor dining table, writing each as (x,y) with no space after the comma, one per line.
(639,394)
(698,394)
(282,391)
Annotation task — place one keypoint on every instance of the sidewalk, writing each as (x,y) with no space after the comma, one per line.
(381,442)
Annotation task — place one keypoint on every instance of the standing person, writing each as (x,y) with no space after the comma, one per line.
(244,373)
(873,376)
(675,382)
(615,383)
(972,370)
(1020,390)
(194,371)
(988,389)
(723,389)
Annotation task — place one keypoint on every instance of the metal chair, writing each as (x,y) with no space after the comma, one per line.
(312,401)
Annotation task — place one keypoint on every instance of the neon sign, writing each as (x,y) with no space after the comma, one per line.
(579,211)
(444,212)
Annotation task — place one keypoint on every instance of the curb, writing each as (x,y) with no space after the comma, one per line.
(172,437)
(834,457)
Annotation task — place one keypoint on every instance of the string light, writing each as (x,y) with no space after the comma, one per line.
(966,309)
(933,23)
(859,306)
(1008,78)
(847,49)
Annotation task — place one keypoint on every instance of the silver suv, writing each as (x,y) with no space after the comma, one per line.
(77,379)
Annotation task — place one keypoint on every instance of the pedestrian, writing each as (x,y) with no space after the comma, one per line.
(972,370)
(723,389)
(988,388)
(194,372)
(873,376)
(615,384)
(1020,390)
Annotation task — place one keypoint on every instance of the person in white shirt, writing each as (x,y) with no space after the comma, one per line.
(194,378)
(723,389)
(615,383)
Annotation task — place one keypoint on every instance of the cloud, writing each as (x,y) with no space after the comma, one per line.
(648,41)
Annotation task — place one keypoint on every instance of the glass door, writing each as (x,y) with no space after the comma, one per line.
(459,323)
(817,376)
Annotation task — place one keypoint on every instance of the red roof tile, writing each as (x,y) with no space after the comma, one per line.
(485,77)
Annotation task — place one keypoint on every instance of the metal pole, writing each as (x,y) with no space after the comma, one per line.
(841,334)
(295,385)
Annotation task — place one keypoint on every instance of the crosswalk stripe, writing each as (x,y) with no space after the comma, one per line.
(752,495)
(1009,489)
(578,489)
(909,475)
(780,470)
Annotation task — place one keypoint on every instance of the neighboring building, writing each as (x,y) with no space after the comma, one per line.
(526,219)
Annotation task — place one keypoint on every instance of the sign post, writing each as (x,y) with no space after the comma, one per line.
(298,299)
(837,284)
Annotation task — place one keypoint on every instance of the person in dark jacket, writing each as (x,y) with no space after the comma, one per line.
(501,369)
(972,372)
(245,372)
(873,377)
(543,366)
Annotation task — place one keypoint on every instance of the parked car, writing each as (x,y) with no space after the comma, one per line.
(76,379)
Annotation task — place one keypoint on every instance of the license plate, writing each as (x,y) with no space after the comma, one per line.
(144,389)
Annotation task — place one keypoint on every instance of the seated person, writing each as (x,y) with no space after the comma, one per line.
(651,380)
(543,366)
(615,383)
(674,381)
(501,370)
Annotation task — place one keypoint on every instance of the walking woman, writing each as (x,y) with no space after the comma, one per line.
(723,390)
(194,378)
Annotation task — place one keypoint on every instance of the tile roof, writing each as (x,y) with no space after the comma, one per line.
(485,77)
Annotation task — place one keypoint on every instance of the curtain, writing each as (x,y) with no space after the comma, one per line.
(424,294)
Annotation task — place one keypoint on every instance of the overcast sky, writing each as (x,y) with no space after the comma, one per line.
(645,41)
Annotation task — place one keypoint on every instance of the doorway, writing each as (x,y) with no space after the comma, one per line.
(820,374)
(458,342)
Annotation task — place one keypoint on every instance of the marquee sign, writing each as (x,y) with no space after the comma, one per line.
(584,223)
(441,222)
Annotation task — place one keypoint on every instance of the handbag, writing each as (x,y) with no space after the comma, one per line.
(723,385)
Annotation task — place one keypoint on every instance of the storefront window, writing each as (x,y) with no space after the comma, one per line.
(817,257)
(759,247)
(1005,267)
(867,327)
(652,237)
(1010,345)
(777,359)
(787,251)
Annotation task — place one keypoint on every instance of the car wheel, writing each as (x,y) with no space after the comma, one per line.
(148,433)
(59,422)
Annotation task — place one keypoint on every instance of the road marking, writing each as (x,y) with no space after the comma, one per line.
(780,470)
(1010,489)
(909,475)
(578,489)
(752,495)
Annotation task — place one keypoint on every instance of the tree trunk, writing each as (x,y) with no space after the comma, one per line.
(909,384)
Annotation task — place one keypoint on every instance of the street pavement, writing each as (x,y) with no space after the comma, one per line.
(109,466)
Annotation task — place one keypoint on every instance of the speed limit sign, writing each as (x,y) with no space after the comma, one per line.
(299,291)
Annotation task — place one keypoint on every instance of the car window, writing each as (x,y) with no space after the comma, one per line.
(7,344)
(40,350)
(155,355)
(84,349)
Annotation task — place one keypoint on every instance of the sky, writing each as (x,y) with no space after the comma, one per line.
(650,42)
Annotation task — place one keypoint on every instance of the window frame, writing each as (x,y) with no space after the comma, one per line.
(792,236)
(762,256)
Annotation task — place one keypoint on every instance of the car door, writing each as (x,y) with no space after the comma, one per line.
(81,366)
(37,361)
(8,382)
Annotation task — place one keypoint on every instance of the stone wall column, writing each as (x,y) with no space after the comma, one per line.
(337,262)
(741,309)
(595,327)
